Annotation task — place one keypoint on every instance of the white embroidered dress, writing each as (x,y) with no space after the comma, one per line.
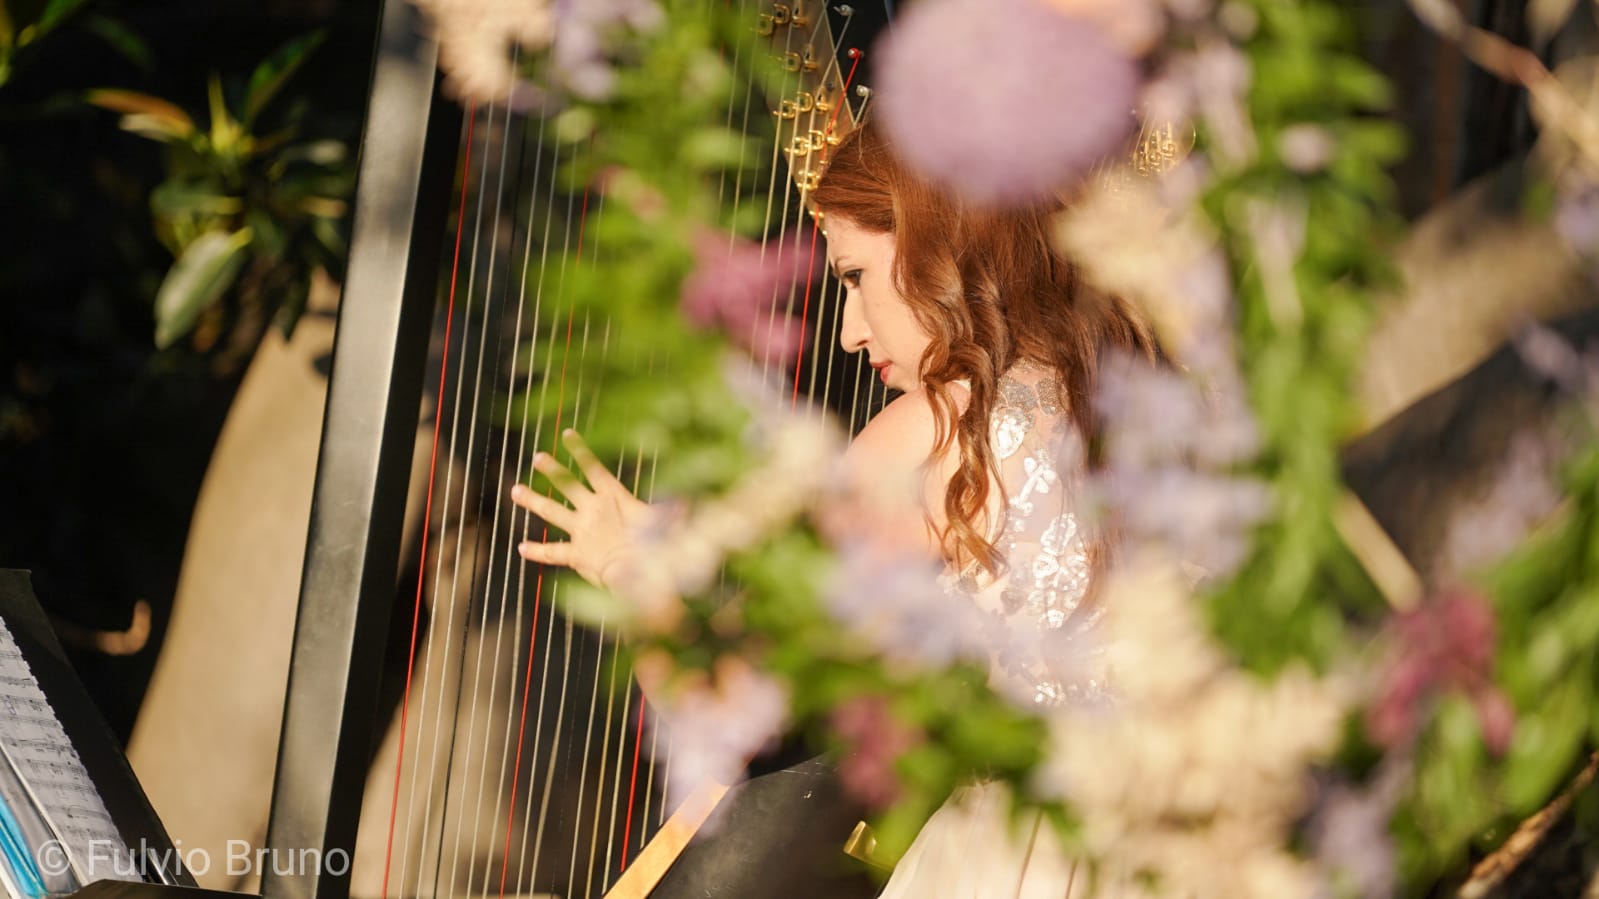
(1035,614)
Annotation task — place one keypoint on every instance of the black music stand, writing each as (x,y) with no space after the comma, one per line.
(97,748)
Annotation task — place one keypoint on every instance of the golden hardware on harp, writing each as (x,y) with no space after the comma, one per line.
(1159,148)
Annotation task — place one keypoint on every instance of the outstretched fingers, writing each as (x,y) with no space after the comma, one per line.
(599,477)
(564,480)
(544,507)
(546,553)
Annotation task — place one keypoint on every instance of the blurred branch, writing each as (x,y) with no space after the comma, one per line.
(1517,65)
(1493,870)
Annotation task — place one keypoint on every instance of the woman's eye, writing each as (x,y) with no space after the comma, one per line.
(851,278)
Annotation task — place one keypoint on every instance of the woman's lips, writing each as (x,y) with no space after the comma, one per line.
(882,370)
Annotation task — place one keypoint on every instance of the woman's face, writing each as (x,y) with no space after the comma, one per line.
(876,318)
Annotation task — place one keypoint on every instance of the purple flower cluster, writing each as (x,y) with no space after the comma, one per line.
(580,53)
(896,603)
(1170,451)
(1003,100)
(740,286)
(1524,493)
(1577,214)
(1349,832)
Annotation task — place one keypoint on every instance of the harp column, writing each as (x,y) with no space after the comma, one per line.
(408,153)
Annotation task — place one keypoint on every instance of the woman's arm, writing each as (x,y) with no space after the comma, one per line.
(894,496)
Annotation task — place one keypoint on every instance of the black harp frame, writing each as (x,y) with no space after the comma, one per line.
(410,142)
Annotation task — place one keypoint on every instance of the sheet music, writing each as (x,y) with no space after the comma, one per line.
(45,759)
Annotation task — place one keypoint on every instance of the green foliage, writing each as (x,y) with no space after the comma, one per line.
(24,23)
(1546,595)
(249,217)
(1290,601)
(1294,598)
(665,119)
(207,268)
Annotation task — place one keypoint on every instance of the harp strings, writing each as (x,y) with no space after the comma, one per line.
(447,608)
(514,368)
(779,175)
(438,415)
(476,576)
(527,519)
(485,500)
(554,760)
(607,763)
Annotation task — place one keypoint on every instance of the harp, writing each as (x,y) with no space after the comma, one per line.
(519,766)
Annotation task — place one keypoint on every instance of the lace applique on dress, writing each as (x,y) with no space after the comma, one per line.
(1033,605)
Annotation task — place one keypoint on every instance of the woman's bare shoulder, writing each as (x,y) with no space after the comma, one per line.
(894,456)
(906,431)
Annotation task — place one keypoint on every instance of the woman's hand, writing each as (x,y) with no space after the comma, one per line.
(601,521)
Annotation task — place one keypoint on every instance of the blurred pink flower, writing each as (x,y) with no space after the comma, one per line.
(1445,645)
(1003,100)
(714,728)
(876,741)
(742,289)
(1136,26)
(1307,149)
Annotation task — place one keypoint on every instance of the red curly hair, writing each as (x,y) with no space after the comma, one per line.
(990,289)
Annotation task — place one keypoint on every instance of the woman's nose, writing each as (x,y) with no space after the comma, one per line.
(852,330)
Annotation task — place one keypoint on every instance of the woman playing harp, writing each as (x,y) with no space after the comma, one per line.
(995,342)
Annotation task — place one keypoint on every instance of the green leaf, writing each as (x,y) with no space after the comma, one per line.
(175,198)
(293,305)
(154,115)
(121,39)
(709,149)
(317,152)
(228,136)
(53,14)
(206,269)
(593,606)
(270,76)
(271,239)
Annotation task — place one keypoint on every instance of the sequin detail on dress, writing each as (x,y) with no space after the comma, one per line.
(1034,605)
